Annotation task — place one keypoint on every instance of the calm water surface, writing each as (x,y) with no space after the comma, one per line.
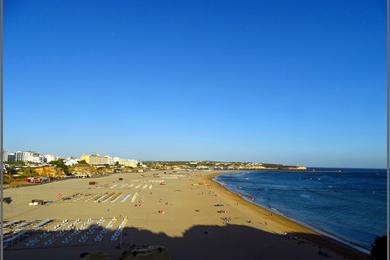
(349,204)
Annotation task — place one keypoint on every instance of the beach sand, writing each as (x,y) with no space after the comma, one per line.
(189,214)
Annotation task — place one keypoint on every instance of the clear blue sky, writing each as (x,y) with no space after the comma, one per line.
(294,82)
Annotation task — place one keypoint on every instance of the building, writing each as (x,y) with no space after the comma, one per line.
(128,163)
(5,156)
(85,157)
(125,162)
(29,156)
(24,156)
(49,157)
(96,159)
(109,159)
(38,158)
(71,161)
(115,160)
(11,157)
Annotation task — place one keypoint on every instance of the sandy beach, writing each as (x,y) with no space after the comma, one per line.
(186,212)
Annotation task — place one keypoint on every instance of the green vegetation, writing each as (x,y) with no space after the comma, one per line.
(60,164)
(17,163)
(11,171)
(276,166)
(83,163)
(18,175)
(26,171)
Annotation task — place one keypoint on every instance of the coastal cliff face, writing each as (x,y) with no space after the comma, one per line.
(105,170)
(83,170)
(48,171)
(88,170)
(298,168)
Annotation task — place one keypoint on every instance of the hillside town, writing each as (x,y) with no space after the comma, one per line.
(25,167)
(43,159)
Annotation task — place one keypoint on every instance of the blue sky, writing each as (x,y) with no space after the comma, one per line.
(294,82)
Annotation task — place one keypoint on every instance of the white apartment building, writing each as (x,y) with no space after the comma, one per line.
(125,162)
(24,156)
(5,156)
(50,157)
(71,161)
(128,163)
(109,159)
(10,157)
(29,156)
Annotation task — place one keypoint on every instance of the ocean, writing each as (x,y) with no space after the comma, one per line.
(348,204)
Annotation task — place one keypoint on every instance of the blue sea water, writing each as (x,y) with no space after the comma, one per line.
(349,204)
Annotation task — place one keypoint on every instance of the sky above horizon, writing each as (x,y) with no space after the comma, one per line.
(292,82)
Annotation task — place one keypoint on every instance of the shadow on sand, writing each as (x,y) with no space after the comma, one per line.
(198,242)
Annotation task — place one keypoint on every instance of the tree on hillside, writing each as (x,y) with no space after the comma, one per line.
(11,171)
(17,163)
(60,164)
(83,162)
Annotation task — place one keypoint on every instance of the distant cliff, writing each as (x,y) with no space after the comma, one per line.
(83,170)
(49,171)
(88,170)
(299,168)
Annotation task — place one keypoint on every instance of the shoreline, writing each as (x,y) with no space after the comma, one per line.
(317,237)
(323,233)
